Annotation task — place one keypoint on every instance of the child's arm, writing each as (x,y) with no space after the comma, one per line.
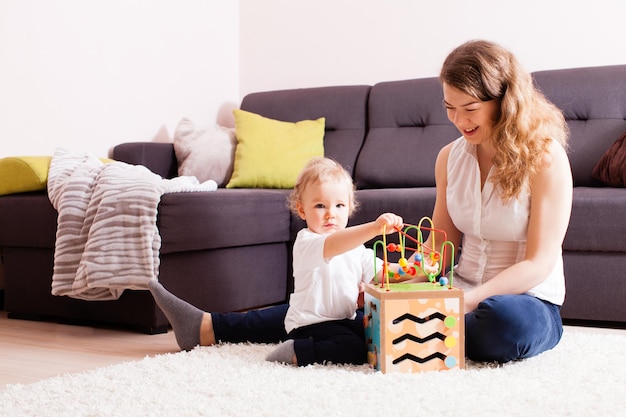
(349,238)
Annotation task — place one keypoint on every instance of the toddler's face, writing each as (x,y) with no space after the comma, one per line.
(325,206)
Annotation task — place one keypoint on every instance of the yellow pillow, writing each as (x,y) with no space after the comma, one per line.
(270,153)
(20,174)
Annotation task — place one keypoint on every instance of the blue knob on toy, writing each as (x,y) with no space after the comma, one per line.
(443,281)
(418,257)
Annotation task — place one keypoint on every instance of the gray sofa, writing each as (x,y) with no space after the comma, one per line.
(230,249)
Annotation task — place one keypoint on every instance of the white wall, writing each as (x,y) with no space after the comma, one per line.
(89,74)
(287,44)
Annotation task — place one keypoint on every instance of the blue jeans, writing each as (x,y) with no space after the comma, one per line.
(341,341)
(266,325)
(509,327)
(337,341)
(503,328)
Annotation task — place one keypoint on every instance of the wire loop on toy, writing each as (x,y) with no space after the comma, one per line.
(431,266)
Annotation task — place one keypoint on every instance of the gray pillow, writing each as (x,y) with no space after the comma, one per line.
(207,154)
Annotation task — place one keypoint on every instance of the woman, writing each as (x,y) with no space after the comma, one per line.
(505,186)
(504,195)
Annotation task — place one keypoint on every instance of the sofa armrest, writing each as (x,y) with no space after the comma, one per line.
(158,157)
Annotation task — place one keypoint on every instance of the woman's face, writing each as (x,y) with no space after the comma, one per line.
(473,118)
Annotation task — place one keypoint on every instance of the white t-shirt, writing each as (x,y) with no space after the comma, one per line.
(494,233)
(326,289)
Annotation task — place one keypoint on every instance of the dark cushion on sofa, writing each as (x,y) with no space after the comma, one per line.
(410,203)
(597,222)
(594,108)
(407,127)
(222,219)
(27,220)
(160,158)
(611,168)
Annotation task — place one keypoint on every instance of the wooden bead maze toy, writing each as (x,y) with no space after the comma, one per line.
(415,326)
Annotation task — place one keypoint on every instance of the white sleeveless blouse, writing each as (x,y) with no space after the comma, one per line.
(494,233)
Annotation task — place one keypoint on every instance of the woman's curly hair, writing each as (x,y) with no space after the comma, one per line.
(527,121)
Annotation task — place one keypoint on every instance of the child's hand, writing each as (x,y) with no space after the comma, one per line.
(389,222)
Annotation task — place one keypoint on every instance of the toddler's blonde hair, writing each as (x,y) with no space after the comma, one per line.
(321,169)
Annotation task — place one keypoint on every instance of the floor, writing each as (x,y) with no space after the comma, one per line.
(32,350)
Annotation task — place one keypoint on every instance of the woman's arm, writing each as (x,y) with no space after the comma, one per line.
(441,217)
(550,208)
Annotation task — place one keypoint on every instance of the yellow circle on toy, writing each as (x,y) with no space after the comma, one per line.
(450,342)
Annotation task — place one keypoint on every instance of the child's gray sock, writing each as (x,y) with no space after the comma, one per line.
(184,318)
(283,353)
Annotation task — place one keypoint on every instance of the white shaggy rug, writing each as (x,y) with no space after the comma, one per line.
(585,375)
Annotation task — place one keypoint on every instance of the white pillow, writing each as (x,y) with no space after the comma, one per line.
(206,154)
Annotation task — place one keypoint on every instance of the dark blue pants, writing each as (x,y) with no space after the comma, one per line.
(338,341)
(266,325)
(503,328)
(509,327)
(341,341)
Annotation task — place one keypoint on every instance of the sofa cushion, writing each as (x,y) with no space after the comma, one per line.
(20,174)
(589,140)
(230,279)
(27,220)
(158,157)
(343,107)
(205,153)
(410,203)
(597,221)
(593,101)
(223,218)
(407,127)
(271,153)
(611,168)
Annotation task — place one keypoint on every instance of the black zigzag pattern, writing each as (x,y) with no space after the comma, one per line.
(404,337)
(408,356)
(419,320)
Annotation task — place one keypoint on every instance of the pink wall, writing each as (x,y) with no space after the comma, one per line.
(87,75)
(287,44)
